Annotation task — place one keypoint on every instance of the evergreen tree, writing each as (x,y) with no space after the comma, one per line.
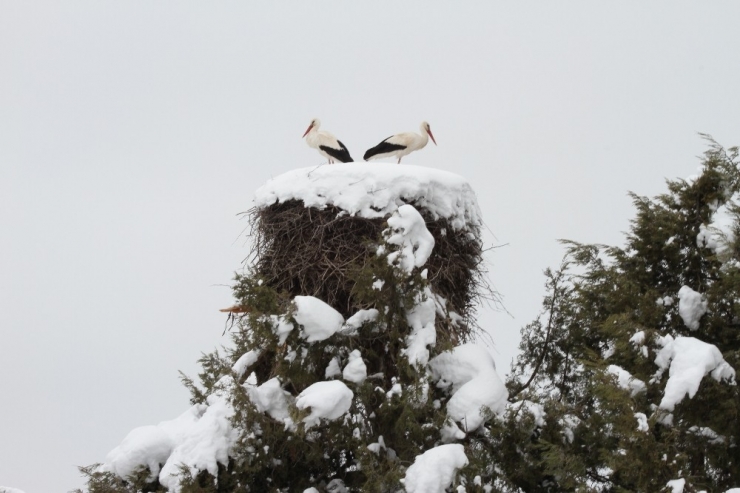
(599,389)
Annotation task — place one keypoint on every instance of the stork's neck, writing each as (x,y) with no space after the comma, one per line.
(424,136)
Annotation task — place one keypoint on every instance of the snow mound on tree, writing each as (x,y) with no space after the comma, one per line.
(270,398)
(319,320)
(376,190)
(626,381)
(328,400)
(676,485)
(353,323)
(8,489)
(199,439)
(423,333)
(408,230)
(691,307)
(476,386)
(434,470)
(245,361)
(688,360)
(355,371)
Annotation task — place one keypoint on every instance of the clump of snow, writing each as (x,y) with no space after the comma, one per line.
(476,386)
(408,230)
(333,369)
(355,371)
(145,446)
(626,381)
(245,361)
(377,190)
(450,432)
(378,446)
(642,422)
(270,398)
(638,340)
(199,439)
(396,389)
(8,489)
(664,301)
(318,320)
(532,408)
(434,470)
(688,360)
(353,323)
(311,490)
(282,327)
(712,436)
(423,333)
(568,422)
(328,400)
(691,307)
(676,485)
(718,235)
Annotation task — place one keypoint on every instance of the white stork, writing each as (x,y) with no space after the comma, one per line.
(401,144)
(327,145)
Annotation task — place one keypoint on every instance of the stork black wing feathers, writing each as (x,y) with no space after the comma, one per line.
(341,155)
(382,148)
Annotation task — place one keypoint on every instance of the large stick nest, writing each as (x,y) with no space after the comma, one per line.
(312,252)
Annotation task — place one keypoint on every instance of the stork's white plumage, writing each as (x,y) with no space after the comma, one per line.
(401,144)
(327,145)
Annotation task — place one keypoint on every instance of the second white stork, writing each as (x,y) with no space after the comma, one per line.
(327,145)
(401,144)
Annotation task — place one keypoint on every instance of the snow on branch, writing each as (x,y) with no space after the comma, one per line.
(688,360)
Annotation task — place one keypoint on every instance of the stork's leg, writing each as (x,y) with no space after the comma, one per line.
(399,160)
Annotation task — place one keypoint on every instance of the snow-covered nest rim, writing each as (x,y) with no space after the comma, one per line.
(376,190)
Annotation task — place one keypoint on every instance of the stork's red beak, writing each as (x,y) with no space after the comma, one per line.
(429,131)
(307,130)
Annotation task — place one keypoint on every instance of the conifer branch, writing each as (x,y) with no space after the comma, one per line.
(548,336)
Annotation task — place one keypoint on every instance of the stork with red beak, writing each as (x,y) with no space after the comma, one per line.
(401,144)
(327,145)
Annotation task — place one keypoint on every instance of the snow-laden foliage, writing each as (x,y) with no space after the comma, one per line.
(616,322)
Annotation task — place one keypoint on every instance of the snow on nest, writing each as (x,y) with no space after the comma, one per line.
(8,489)
(407,229)
(376,190)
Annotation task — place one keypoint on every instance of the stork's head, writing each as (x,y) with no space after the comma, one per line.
(315,123)
(426,128)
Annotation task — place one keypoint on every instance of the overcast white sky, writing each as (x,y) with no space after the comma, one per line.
(132,133)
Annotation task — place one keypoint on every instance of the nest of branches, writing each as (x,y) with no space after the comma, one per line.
(305,251)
